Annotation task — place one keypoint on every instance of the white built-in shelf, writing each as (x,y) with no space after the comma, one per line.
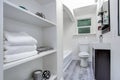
(15,12)
(16,63)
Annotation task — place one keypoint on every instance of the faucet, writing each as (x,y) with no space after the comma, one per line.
(101,38)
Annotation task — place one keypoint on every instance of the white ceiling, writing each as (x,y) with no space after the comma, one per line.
(85,10)
(73,4)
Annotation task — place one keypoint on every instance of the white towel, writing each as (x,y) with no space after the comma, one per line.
(15,57)
(10,50)
(20,38)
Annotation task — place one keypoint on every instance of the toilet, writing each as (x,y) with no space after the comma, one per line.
(84,55)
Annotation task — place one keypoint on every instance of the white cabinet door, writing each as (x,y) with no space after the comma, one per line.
(1,39)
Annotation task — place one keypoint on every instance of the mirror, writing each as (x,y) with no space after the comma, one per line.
(104,13)
(118,17)
(106,17)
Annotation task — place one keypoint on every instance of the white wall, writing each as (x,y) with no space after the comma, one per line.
(49,37)
(1,40)
(50,34)
(50,63)
(115,41)
(67,31)
(32,5)
(59,39)
(50,11)
(69,11)
(69,42)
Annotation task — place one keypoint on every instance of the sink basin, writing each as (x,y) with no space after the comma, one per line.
(106,46)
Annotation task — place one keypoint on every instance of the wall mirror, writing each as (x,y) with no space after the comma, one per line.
(118,17)
(106,16)
(104,13)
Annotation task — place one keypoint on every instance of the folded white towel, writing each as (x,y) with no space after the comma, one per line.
(20,38)
(15,57)
(10,50)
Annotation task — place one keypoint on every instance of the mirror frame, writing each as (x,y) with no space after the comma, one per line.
(109,17)
(109,14)
(118,18)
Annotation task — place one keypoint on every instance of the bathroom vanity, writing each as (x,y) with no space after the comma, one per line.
(101,61)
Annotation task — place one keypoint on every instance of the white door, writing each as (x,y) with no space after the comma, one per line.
(1,39)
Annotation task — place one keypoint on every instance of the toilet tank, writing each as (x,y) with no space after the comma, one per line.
(84,47)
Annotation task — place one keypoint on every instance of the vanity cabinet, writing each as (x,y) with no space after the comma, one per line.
(102,64)
(101,60)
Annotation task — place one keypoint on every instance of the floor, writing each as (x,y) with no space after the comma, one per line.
(75,72)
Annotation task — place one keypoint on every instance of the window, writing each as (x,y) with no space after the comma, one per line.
(83,25)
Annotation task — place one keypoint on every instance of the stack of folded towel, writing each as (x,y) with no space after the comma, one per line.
(18,46)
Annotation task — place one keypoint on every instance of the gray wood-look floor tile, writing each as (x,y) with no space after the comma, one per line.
(75,72)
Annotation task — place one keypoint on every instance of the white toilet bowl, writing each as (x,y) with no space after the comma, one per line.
(84,59)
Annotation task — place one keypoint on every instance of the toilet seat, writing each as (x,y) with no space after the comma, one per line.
(83,54)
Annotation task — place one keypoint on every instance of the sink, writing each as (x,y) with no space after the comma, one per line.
(106,46)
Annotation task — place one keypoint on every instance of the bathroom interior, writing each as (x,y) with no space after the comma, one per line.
(86,56)
(59,40)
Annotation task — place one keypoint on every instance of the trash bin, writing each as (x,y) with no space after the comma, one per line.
(37,75)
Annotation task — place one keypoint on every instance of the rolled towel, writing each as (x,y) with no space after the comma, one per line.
(15,57)
(21,38)
(9,50)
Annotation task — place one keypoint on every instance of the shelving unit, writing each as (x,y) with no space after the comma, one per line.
(15,12)
(17,19)
(16,63)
